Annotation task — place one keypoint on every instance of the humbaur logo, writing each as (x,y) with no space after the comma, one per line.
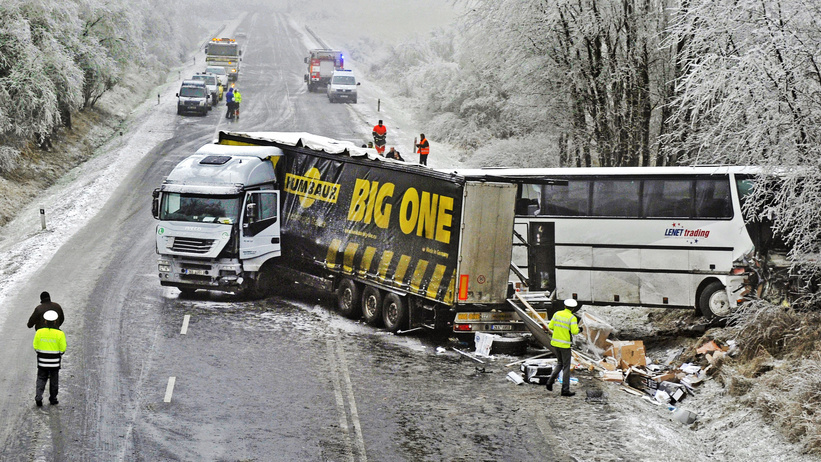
(692,235)
(310,188)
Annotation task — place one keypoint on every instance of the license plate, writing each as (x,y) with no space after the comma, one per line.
(501,327)
(195,272)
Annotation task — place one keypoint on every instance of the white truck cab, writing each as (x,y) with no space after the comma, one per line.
(218,213)
(342,86)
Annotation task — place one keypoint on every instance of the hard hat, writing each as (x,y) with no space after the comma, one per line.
(50,315)
(571,303)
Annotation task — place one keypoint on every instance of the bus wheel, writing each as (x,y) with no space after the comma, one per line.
(348,299)
(714,302)
(394,313)
(372,305)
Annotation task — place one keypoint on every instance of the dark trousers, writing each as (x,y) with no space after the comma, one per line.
(563,355)
(423,159)
(50,375)
(230,112)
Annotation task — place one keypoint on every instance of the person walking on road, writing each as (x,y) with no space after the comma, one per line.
(36,320)
(423,149)
(380,133)
(562,326)
(237,100)
(50,344)
(229,101)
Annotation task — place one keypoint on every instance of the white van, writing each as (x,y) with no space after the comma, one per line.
(342,86)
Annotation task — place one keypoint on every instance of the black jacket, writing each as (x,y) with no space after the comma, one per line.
(37,320)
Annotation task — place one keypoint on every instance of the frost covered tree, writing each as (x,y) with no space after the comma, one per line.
(750,95)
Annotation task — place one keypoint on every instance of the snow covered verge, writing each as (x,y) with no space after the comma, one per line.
(73,180)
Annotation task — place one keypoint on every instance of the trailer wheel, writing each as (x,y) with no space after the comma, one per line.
(394,312)
(372,305)
(348,299)
(714,302)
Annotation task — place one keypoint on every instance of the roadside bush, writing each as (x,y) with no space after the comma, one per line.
(791,398)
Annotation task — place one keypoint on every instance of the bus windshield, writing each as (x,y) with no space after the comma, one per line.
(200,208)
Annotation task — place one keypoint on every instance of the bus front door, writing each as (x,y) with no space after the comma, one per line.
(542,256)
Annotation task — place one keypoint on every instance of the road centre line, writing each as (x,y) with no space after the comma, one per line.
(340,401)
(357,425)
(185,320)
(169,390)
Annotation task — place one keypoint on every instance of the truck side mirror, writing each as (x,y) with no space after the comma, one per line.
(155,204)
(178,95)
(306,60)
(250,212)
(358,83)
(305,77)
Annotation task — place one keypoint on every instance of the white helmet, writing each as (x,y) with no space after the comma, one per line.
(50,315)
(571,303)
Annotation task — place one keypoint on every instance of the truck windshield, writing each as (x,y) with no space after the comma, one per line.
(216,49)
(198,208)
(192,92)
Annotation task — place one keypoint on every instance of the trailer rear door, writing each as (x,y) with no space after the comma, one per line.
(486,243)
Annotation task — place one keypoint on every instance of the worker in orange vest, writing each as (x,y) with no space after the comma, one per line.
(380,133)
(423,149)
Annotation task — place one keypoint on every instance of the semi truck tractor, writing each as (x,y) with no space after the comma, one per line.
(322,63)
(399,244)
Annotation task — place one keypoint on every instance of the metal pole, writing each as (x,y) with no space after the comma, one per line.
(378,104)
(43,218)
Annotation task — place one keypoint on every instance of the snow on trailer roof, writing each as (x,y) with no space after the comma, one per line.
(311,141)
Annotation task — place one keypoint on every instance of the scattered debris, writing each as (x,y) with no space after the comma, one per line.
(464,353)
(630,352)
(537,371)
(710,347)
(595,331)
(515,378)
(684,416)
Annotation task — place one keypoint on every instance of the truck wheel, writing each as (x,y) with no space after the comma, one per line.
(310,88)
(354,100)
(179,110)
(714,302)
(372,305)
(348,299)
(394,312)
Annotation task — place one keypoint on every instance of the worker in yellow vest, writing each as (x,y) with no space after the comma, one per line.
(563,325)
(50,344)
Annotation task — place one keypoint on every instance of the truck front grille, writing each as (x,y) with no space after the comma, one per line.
(192,245)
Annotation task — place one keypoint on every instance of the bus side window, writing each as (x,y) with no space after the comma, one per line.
(570,200)
(528,203)
(713,198)
(667,198)
(616,198)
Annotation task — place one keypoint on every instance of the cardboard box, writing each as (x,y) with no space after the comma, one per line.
(595,330)
(631,352)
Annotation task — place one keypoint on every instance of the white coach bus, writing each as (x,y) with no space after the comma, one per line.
(642,236)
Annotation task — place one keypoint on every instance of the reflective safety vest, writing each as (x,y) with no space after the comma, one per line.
(424,147)
(562,325)
(237,97)
(50,344)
